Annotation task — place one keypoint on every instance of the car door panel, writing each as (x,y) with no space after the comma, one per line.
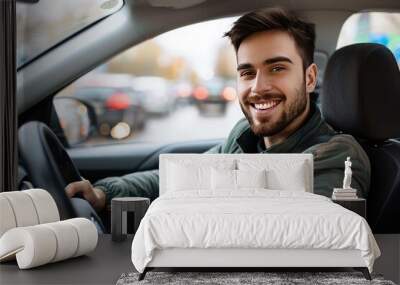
(97,162)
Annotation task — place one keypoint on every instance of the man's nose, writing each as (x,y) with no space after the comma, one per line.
(261,84)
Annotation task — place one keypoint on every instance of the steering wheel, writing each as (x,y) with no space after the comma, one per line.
(50,167)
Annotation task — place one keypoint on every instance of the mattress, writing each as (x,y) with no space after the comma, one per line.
(250,219)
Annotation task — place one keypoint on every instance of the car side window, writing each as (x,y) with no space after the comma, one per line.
(372,27)
(178,86)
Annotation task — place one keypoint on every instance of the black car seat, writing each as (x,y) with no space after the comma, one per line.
(361,97)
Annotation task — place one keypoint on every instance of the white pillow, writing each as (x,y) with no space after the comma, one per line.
(291,179)
(183,178)
(225,179)
(193,175)
(291,175)
(251,178)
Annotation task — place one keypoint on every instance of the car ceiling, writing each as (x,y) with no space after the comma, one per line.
(139,20)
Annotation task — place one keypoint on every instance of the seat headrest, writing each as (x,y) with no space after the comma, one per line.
(361,92)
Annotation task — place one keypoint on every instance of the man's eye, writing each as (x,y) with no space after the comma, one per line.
(246,73)
(277,68)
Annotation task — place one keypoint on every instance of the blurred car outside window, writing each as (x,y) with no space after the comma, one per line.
(372,27)
(163,92)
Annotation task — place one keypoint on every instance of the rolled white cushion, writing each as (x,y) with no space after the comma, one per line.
(7,218)
(33,246)
(40,244)
(87,235)
(67,240)
(23,208)
(45,205)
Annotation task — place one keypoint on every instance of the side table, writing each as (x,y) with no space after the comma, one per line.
(119,208)
(358,205)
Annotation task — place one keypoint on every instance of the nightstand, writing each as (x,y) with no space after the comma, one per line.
(358,205)
(119,208)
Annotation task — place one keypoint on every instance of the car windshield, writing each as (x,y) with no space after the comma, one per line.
(38,29)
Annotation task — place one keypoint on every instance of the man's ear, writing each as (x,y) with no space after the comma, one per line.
(311,77)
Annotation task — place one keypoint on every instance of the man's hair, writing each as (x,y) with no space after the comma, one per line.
(280,19)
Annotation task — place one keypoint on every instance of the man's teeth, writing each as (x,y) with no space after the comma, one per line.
(267,105)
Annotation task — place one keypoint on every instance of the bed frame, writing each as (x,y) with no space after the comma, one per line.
(234,259)
(250,259)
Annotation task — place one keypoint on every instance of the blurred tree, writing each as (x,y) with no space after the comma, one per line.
(174,68)
(141,60)
(149,59)
(225,66)
(194,78)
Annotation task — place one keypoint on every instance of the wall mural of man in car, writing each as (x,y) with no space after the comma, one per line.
(276,74)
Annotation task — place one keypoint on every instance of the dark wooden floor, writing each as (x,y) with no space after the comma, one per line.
(102,266)
(106,264)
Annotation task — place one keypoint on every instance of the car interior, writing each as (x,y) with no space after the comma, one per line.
(360,116)
(35,100)
(365,78)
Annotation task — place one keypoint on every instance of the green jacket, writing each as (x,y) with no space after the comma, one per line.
(329,148)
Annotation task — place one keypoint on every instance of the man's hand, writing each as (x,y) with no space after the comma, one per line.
(94,196)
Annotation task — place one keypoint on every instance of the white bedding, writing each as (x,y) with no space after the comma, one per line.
(250,219)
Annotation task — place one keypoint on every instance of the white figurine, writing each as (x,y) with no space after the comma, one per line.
(345,193)
(347,174)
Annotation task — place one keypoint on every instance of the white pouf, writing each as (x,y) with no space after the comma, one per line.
(40,244)
(45,205)
(32,233)
(23,208)
(7,220)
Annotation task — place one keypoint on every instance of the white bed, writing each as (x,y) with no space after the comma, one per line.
(250,210)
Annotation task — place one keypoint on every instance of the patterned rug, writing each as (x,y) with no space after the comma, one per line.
(243,278)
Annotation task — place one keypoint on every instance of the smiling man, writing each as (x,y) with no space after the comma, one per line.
(273,84)
(275,76)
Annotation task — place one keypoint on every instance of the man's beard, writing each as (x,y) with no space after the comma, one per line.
(294,110)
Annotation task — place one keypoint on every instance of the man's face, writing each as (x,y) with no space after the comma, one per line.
(271,82)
